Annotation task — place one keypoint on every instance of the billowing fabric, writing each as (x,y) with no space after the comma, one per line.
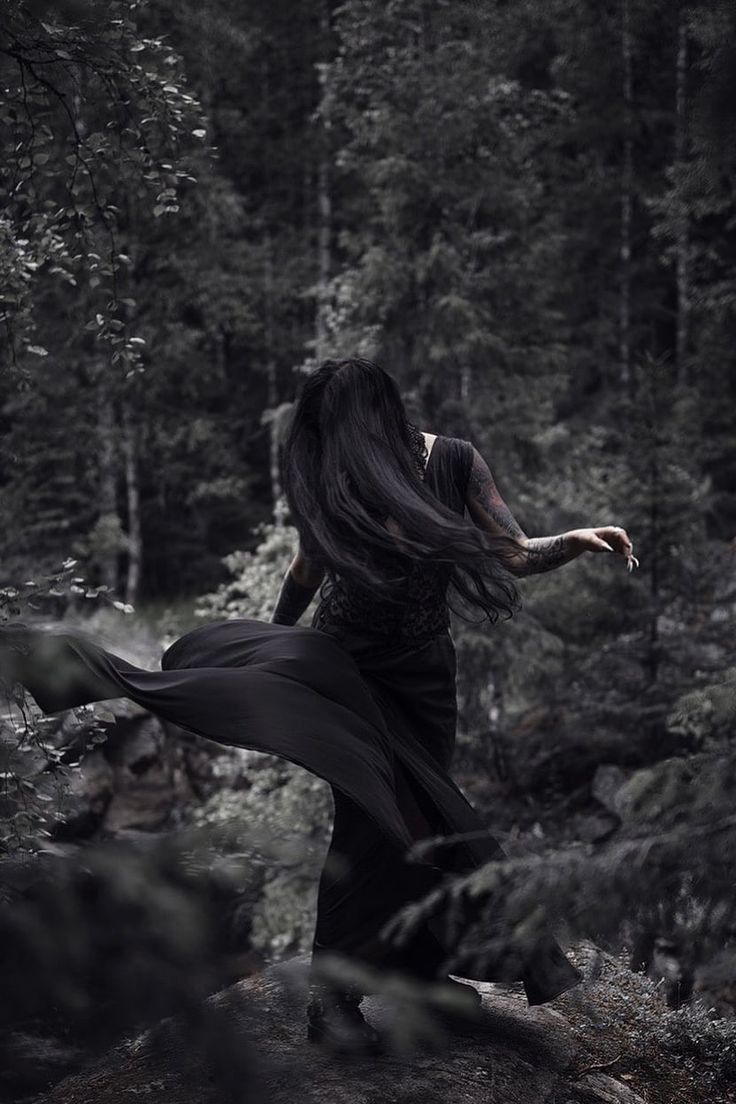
(372,712)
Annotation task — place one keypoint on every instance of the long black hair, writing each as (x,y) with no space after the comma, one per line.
(348,466)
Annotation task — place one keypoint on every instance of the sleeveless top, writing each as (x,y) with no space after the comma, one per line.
(423,612)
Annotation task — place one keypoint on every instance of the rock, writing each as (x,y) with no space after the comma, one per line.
(555,753)
(715,983)
(30,1060)
(668,789)
(607,782)
(512,1054)
(704,716)
(90,792)
(653,791)
(136,780)
(699,785)
(596,829)
(599,1088)
(518,1055)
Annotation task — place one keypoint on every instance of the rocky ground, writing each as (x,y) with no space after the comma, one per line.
(595,1045)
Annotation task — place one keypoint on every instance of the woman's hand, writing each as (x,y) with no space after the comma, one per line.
(606,538)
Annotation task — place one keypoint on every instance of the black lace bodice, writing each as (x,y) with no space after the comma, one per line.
(422,615)
(418,448)
(422,612)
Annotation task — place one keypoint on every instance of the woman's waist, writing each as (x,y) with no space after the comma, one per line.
(382,635)
(418,610)
(377,620)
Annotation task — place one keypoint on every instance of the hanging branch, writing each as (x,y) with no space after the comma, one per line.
(135,77)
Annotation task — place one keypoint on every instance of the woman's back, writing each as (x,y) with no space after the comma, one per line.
(422,611)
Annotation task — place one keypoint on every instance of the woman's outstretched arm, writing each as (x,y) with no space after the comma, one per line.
(535,554)
(297,590)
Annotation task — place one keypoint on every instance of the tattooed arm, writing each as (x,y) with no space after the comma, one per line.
(535,554)
(297,590)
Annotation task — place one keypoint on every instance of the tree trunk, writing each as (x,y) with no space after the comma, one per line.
(109,519)
(324,196)
(272,390)
(626,200)
(272,397)
(132,486)
(652,660)
(324,205)
(683,228)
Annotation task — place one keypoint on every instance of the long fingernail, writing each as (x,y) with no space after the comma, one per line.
(607,545)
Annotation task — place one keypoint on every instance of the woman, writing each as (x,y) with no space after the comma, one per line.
(369,494)
(390,521)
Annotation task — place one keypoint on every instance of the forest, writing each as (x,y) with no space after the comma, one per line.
(525,212)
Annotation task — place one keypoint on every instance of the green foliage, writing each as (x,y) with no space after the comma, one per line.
(213,279)
(281,818)
(36,763)
(109,943)
(668,868)
(286,811)
(684,1052)
(256,576)
(447,240)
(63,220)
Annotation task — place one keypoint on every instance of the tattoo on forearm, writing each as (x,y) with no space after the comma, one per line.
(292,601)
(488,508)
(545,553)
(482,488)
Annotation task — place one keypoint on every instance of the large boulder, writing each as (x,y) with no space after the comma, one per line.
(142,774)
(705,717)
(603,1043)
(668,791)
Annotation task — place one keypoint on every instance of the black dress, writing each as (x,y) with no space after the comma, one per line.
(363,698)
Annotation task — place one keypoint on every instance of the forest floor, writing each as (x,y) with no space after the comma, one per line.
(598,1044)
(615,1035)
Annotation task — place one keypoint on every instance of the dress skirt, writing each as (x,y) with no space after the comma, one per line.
(377,723)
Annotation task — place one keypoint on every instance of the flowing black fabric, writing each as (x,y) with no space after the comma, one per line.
(373,715)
